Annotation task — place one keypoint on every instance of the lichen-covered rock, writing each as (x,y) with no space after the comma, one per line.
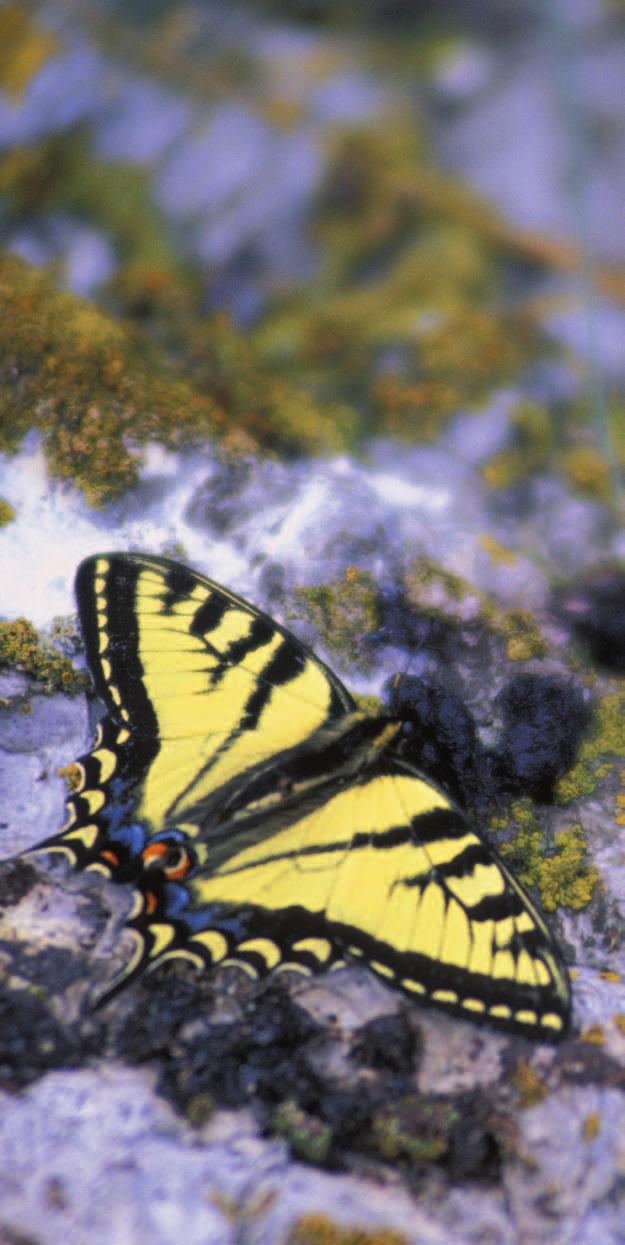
(247,315)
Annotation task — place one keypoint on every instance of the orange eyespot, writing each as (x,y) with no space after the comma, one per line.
(172,858)
(178,865)
(110,858)
(154,854)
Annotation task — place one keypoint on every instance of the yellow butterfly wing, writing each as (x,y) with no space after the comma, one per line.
(382,869)
(201,689)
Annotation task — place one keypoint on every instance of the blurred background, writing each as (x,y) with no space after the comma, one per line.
(302,226)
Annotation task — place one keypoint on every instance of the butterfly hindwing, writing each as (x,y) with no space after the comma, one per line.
(384,870)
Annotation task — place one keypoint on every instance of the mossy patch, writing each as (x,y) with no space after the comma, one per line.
(7,513)
(588,472)
(416,1129)
(602,745)
(24,47)
(309,1138)
(565,877)
(521,633)
(531,447)
(94,388)
(21,649)
(530,1087)
(432,590)
(62,173)
(316,1229)
(343,612)
(406,319)
(99,389)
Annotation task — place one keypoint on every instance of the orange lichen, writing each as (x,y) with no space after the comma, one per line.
(317,1229)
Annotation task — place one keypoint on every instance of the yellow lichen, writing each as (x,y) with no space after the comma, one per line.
(591,1126)
(565,878)
(7,513)
(528,1084)
(432,589)
(21,649)
(343,612)
(99,390)
(594,1035)
(522,635)
(601,745)
(414,1129)
(317,1229)
(404,320)
(24,47)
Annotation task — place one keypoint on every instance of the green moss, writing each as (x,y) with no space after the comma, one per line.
(432,590)
(24,47)
(522,635)
(588,472)
(21,649)
(565,878)
(411,270)
(176,44)
(7,513)
(95,388)
(62,172)
(99,389)
(308,1137)
(316,1229)
(602,744)
(415,1129)
(343,612)
(532,444)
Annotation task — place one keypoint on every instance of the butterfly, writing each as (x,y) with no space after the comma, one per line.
(263,820)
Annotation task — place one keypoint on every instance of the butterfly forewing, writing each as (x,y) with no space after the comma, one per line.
(200,690)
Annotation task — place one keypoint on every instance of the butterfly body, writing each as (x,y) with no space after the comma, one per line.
(263,820)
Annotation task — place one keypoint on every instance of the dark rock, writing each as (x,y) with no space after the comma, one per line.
(596,612)
(387,1044)
(544,719)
